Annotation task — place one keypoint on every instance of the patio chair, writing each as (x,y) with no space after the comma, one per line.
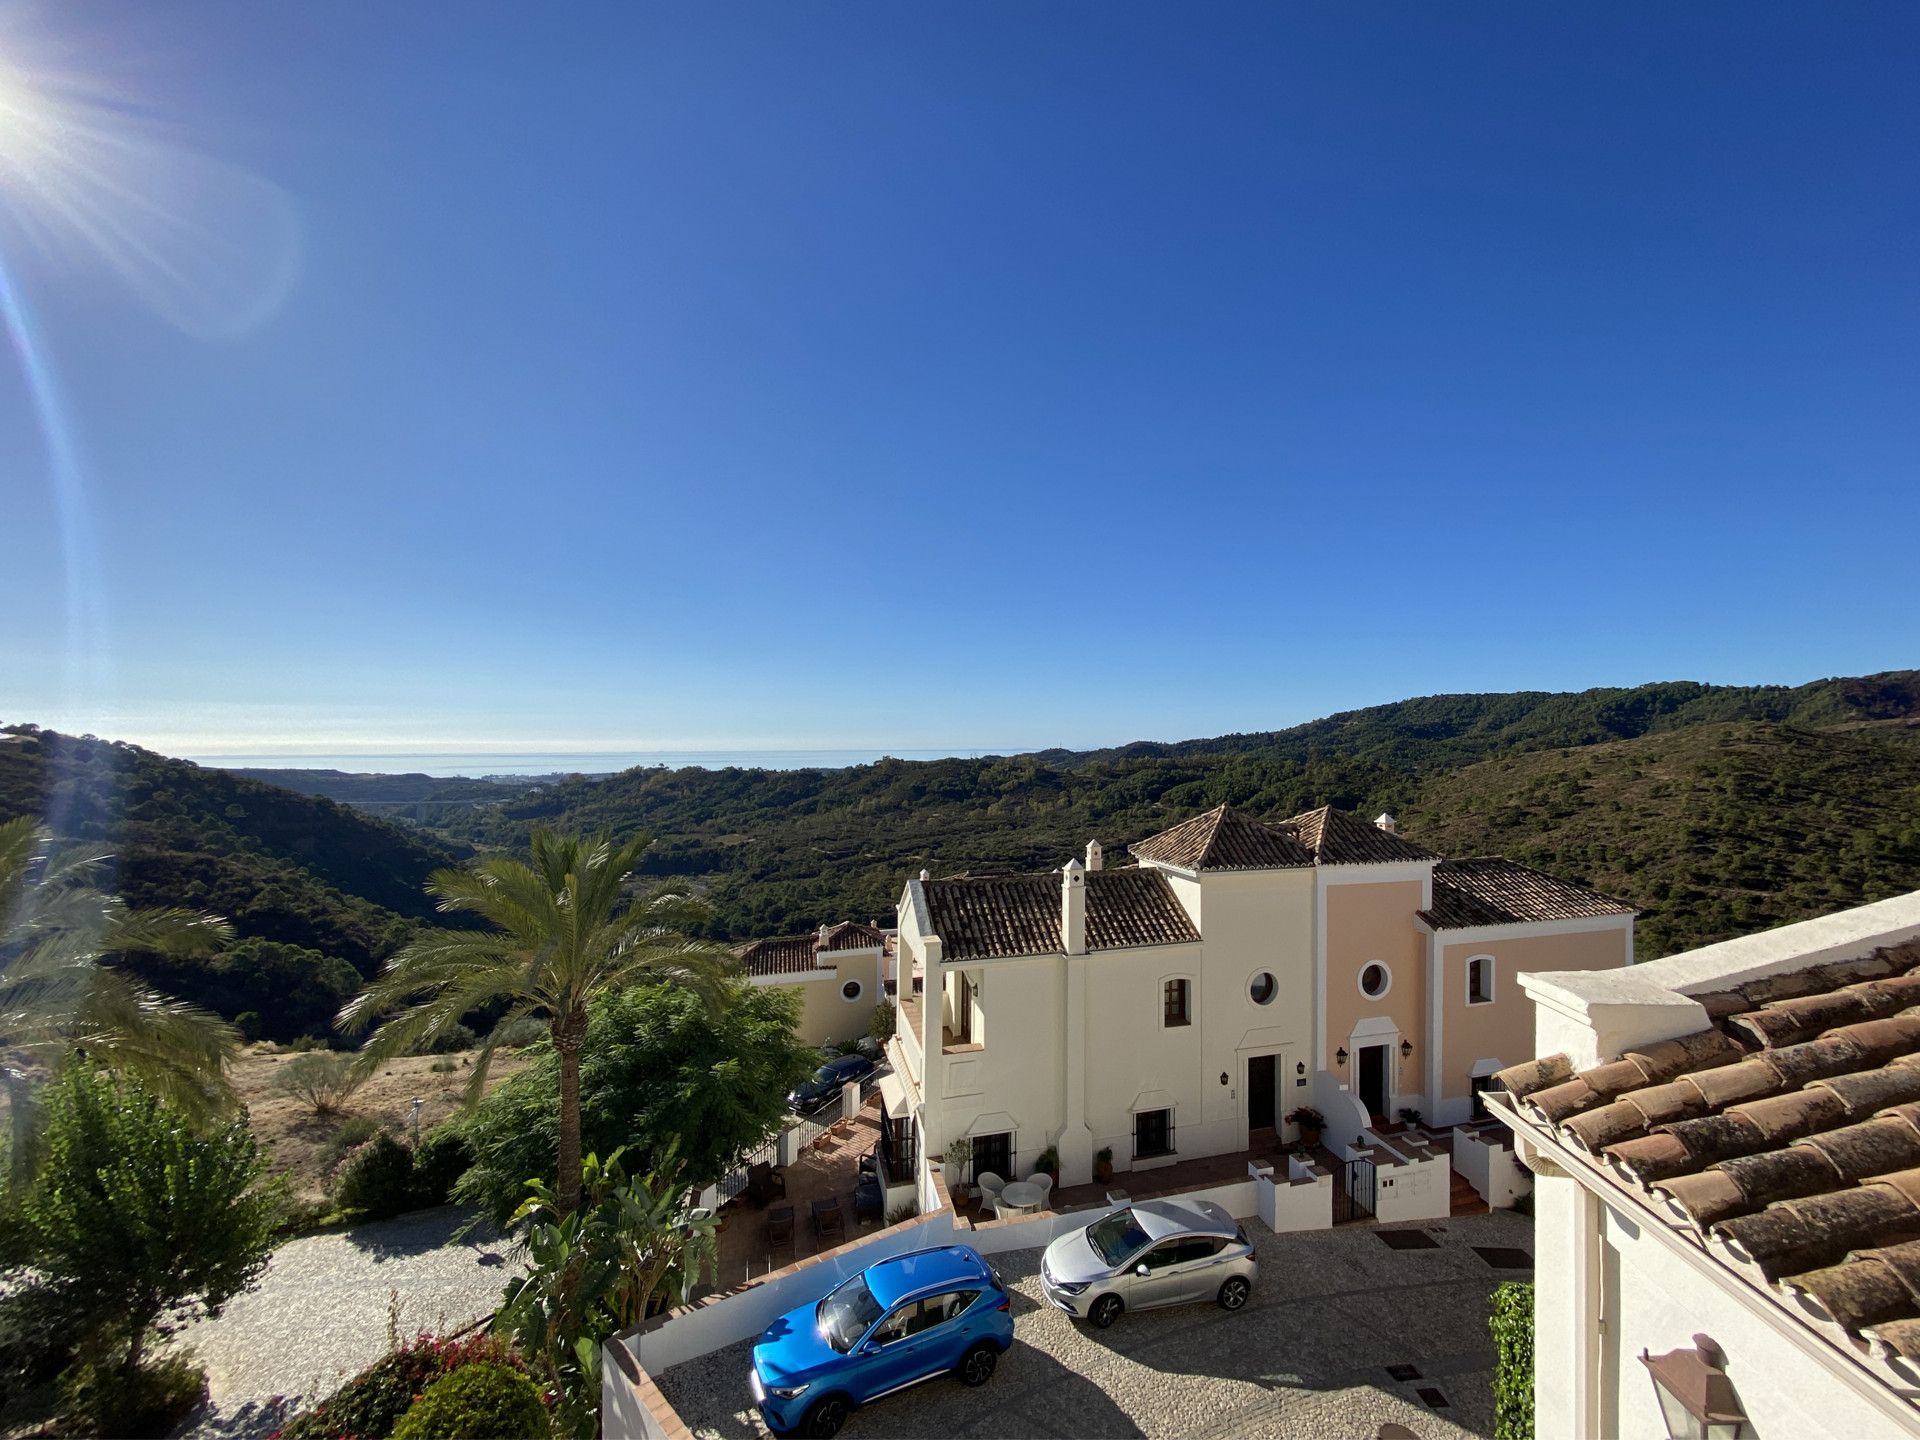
(989,1185)
(1044,1181)
(828,1222)
(764,1183)
(870,1198)
(780,1228)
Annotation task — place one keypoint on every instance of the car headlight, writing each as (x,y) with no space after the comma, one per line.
(789,1392)
(1071,1287)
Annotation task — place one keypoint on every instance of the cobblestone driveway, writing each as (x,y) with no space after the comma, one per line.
(321,1312)
(1308,1357)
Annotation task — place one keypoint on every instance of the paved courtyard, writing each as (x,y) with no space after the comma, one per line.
(1308,1357)
(324,1309)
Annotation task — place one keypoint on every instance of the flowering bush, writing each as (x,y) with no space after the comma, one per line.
(372,1403)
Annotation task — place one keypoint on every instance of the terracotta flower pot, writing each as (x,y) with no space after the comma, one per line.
(1103,1170)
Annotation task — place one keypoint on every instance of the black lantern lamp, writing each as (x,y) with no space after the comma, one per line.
(1697,1400)
(1406,1048)
(1340,1056)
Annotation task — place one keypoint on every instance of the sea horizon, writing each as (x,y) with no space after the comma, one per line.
(479,764)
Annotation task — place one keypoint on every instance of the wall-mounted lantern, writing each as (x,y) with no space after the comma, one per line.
(1223,1077)
(1340,1056)
(1406,1048)
(1697,1400)
(1299,1067)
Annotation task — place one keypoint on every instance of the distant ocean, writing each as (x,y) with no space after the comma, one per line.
(571,762)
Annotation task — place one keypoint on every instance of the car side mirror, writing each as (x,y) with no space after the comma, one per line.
(1141,1270)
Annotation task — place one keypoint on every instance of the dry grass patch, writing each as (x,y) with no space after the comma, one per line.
(298,1142)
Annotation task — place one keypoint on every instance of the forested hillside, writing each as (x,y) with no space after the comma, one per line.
(283,867)
(1832,793)
(1716,810)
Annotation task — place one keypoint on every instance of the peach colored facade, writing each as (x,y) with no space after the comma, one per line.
(1480,1039)
(1372,923)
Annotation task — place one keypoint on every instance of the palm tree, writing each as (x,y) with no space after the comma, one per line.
(57,998)
(564,930)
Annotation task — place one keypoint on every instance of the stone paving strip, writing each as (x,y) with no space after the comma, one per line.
(1307,1357)
(324,1310)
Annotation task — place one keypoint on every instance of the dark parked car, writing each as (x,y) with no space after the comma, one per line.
(826,1082)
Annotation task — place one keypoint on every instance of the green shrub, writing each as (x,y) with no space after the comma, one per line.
(1512,1326)
(454,1037)
(322,1081)
(373,1401)
(881,1026)
(439,1161)
(519,1034)
(100,1399)
(355,1130)
(250,1026)
(445,1065)
(376,1180)
(476,1400)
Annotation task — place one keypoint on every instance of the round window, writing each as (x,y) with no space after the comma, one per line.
(1375,979)
(1262,988)
(850,990)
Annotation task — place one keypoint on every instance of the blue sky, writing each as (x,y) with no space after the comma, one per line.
(857,374)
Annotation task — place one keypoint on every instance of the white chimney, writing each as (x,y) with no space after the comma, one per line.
(1073,908)
(923,875)
(1093,856)
(1385,821)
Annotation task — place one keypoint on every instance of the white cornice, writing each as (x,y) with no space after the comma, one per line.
(1522,929)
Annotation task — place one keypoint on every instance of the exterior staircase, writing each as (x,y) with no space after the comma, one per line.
(1464,1199)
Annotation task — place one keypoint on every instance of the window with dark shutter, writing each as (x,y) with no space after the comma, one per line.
(1176,1008)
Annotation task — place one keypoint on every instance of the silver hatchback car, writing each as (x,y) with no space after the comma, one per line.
(1158,1252)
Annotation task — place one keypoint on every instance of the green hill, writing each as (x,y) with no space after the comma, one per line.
(1715,809)
(283,867)
(783,850)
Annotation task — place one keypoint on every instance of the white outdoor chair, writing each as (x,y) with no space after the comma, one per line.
(1006,1212)
(989,1185)
(1044,1182)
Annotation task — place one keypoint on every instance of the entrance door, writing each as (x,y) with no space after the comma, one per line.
(1260,1082)
(1372,1061)
(992,1155)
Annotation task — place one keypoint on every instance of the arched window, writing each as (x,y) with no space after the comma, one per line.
(1176,1002)
(1480,980)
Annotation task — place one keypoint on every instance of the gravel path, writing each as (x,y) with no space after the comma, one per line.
(1307,1357)
(325,1308)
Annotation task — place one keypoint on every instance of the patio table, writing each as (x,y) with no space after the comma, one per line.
(1022,1196)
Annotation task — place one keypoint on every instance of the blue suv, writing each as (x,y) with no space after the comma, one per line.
(896,1323)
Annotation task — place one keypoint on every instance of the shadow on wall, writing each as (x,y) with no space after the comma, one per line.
(1346,1116)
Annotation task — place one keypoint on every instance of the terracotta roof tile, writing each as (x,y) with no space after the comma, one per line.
(1493,891)
(1224,839)
(1339,837)
(997,915)
(798,954)
(1787,1135)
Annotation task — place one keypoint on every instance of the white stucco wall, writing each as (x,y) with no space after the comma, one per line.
(1654,1294)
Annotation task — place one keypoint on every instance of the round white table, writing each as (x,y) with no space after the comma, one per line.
(1023,1196)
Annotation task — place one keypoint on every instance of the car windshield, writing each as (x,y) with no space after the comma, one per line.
(846,1313)
(1116,1237)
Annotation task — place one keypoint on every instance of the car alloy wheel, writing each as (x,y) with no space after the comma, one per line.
(1233,1294)
(1105,1311)
(977,1367)
(826,1418)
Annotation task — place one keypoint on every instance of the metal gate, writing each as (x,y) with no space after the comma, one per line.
(1353,1197)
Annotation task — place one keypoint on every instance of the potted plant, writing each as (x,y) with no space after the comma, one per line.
(1410,1117)
(1049,1161)
(1311,1123)
(959,1156)
(1103,1164)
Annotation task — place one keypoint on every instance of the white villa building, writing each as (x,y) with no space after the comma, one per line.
(1726,1150)
(839,972)
(1181,1007)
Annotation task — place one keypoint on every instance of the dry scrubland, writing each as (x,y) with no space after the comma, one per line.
(296,1139)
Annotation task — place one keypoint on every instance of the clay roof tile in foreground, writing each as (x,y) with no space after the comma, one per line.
(1785,1136)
